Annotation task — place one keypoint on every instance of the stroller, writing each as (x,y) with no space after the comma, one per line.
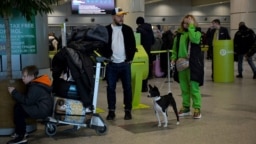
(75,102)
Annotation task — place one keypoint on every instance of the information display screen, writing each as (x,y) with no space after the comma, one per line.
(92,6)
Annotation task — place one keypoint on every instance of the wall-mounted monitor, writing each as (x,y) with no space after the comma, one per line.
(92,6)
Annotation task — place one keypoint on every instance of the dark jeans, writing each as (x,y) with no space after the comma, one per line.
(114,71)
(20,119)
(210,52)
(240,64)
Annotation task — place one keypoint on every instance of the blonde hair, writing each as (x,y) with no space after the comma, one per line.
(187,16)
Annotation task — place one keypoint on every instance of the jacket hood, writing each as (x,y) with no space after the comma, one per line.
(243,28)
(140,20)
(44,79)
(146,27)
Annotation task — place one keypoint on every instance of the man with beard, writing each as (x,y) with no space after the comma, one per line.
(147,40)
(120,50)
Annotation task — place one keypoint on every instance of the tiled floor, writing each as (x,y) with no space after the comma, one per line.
(228,117)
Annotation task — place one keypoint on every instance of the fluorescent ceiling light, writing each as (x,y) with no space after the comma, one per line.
(210,4)
(152,1)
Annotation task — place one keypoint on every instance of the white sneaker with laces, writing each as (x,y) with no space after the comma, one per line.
(18,140)
(15,135)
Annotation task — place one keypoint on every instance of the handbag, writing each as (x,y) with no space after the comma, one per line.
(182,64)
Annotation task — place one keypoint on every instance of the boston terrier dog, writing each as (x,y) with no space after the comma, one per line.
(161,104)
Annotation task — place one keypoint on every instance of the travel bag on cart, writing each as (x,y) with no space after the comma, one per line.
(69,110)
(66,89)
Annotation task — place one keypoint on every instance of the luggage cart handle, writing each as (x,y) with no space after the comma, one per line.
(102,59)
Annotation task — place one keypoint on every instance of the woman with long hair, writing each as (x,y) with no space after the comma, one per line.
(187,45)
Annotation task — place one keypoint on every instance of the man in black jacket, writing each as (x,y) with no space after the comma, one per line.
(147,40)
(243,42)
(218,33)
(120,50)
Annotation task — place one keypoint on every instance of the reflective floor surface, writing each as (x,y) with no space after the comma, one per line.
(228,117)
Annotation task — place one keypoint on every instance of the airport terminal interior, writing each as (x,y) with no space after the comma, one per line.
(228,108)
(228,117)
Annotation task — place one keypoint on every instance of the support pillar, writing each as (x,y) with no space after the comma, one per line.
(135,9)
(242,11)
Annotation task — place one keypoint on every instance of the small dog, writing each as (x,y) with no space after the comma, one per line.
(161,104)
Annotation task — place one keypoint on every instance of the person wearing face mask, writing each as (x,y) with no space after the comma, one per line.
(187,45)
(244,40)
(120,50)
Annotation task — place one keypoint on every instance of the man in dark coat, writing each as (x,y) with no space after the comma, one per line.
(243,42)
(218,33)
(167,38)
(36,103)
(209,34)
(147,40)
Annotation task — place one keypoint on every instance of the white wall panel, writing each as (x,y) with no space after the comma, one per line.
(242,10)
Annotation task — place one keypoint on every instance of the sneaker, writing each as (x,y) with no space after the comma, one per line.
(15,135)
(197,114)
(18,140)
(239,76)
(111,115)
(184,111)
(127,115)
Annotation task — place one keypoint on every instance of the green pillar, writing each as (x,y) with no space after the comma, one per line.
(223,61)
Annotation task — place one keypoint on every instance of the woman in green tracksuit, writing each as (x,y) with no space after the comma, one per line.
(187,45)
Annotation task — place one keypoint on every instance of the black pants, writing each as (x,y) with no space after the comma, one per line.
(20,120)
(150,65)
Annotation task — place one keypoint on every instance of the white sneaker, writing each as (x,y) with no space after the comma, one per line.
(197,114)
(18,140)
(15,135)
(184,112)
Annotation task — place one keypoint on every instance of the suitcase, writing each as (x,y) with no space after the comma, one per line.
(156,67)
(69,110)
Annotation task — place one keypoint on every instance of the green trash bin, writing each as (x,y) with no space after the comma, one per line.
(223,61)
(139,71)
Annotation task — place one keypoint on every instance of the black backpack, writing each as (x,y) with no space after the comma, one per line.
(77,58)
(252,50)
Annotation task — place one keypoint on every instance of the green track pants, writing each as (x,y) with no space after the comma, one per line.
(190,90)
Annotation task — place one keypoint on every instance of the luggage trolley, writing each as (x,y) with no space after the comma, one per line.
(94,122)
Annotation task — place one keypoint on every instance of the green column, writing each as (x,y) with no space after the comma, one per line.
(223,61)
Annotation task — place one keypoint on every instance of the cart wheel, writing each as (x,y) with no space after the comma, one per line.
(101,130)
(50,129)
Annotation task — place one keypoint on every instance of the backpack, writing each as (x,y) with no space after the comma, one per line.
(77,58)
(51,47)
(252,50)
